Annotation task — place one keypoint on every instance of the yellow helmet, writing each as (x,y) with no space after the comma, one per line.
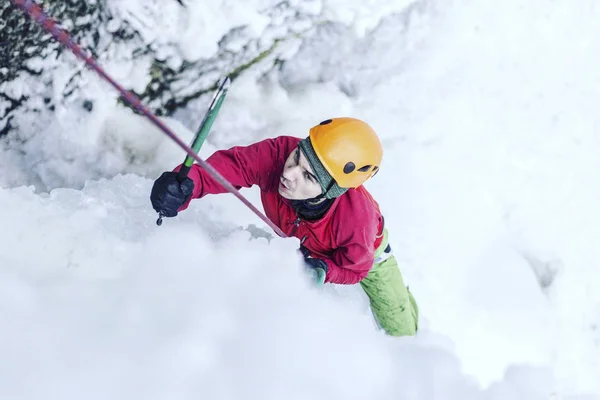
(348,148)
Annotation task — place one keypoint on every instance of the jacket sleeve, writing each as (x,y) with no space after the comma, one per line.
(242,166)
(353,259)
(349,265)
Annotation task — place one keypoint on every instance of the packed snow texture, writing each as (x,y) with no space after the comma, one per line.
(487,112)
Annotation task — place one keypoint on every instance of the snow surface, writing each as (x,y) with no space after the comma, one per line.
(489,185)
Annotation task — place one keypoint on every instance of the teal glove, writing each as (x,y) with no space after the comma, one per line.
(316,270)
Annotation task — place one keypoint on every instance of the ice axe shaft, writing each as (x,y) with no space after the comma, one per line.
(205,125)
(202,132)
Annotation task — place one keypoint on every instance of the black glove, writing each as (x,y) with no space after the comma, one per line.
(168,194)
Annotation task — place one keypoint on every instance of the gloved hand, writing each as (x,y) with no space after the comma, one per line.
(168,194)
(316,270)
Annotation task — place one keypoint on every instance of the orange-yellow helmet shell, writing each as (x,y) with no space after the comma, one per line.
(348,148)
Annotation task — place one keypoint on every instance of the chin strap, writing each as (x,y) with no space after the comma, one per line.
(322,195)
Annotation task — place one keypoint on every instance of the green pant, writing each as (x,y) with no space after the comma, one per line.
(393,306)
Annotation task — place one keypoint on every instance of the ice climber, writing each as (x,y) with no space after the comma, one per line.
(312,189)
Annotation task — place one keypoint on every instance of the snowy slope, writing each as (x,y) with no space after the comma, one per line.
(487,113)
(98,302)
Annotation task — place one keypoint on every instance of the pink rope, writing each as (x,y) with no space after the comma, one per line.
(38,15)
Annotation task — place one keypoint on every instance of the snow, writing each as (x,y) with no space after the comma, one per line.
(365,15)
(489,187)
(110,306)
(161,23)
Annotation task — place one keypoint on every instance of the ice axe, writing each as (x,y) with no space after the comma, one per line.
(202,132)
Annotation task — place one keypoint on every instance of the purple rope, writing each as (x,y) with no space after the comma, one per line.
(38,15)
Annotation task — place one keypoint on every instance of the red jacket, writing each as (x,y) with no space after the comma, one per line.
(345,237)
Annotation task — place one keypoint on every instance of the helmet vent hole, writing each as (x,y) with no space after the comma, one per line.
(326,122)
(349,168)
(365,168)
